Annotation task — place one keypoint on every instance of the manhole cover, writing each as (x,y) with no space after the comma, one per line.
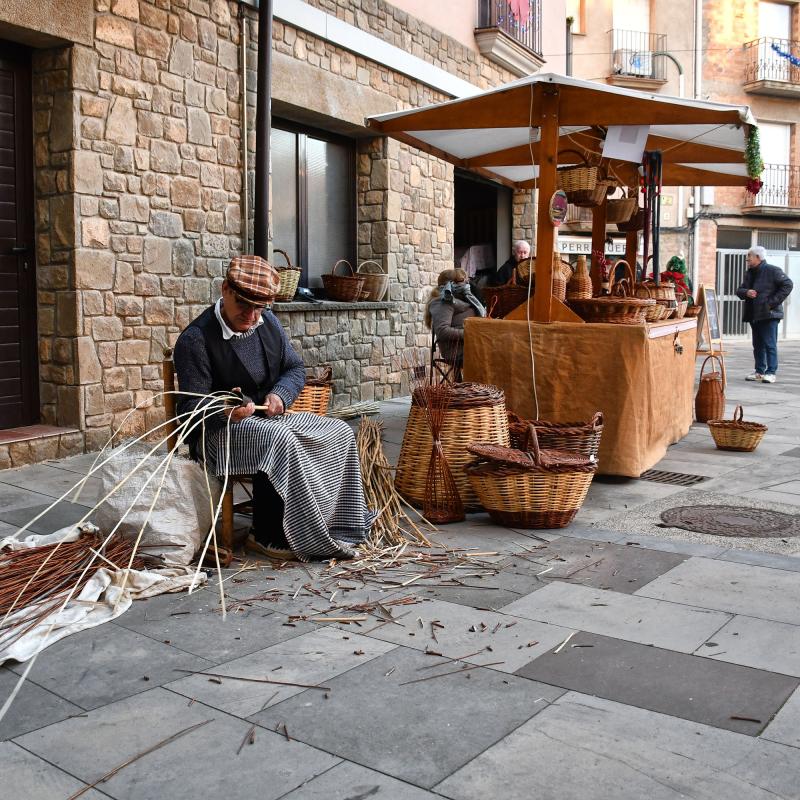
(731,521)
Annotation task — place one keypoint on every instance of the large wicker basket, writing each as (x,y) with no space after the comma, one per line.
(376,281)
(316,394)
(736,434)
(709,402)
(620,209)
(533,489)
(584,184)
(500,300)
(582,438)
(344,288)
(475,412)
(620,310)
(290,277)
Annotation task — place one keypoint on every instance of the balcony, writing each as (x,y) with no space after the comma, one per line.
(780,194)
(767,72)
(510,34)
(578,218)
(634,59)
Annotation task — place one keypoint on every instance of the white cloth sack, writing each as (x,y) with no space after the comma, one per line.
(182,515)
(96,602)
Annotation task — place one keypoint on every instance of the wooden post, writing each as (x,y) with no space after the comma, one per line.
(545,233)
(631,248)
(598,243)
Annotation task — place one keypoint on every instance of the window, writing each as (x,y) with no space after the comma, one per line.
(733,238)
(313,199)
(577,10)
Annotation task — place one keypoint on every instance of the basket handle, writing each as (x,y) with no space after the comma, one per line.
(343,261)
(577,153)
(370,261)
(597,420)
(716,358)
(678,288)
(532,444)
(628,278)
(512,281)
(738,413)
(289,264)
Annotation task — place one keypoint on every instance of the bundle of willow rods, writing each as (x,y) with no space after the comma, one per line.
(33,581)
(392,525)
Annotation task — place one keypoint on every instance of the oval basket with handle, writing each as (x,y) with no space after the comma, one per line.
(290,278)
(344,288)
(376,281)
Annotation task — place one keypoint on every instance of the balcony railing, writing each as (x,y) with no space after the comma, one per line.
(634,54)
(522,21)
(781,187)
(764,64)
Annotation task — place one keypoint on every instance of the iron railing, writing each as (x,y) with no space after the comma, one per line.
(636,54)
(521,21)
(763,63)
(578,215)
(781,187)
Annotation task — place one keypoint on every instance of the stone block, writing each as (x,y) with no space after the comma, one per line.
(94,399)
(63,121)
(89,369)
(84,68)
(123,282)
(181,60)
(207,34)
(152,44)
(147,285)
(94,232)
(182,257)
(199,127)
(106,329)
(159,311)
(133,351)
(214,245)
(227,55)
(115,379)
(115,31)
(197,290)
(134,208)
(87,173)
(185,192)
(175,130)
(157,255)
(126,8)
(150,124)
(128,305)
(220,12)
(70,406)
(216,100)
(164,157)
(211,175)
(165,223)
(94,269)
(62,221)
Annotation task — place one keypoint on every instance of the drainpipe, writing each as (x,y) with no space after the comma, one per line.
(568,65)
(698,83)
(263,122)
(245,211)
(681,93)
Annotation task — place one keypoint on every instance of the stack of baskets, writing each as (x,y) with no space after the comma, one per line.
(376,281)
(584,185)
(656,312)
(530,488)
(316,394)
(663,294)
(344,288)
(290,277)
(736,434)
(475,412)
(582,438)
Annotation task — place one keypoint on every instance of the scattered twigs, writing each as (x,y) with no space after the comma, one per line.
(355,410)
(254,680)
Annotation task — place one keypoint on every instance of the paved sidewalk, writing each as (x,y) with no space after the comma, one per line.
(681,678)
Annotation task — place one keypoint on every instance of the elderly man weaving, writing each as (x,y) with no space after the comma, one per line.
(307,492)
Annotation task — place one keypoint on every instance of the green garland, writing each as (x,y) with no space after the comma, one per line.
(752,154)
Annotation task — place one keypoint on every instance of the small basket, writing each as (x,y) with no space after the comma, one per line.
(635,223)
(620,209)
(290,278)
(344,288)
(535,489)
(736,434)
(500,300)
(582,438)
(693,311)
(709,402)
(316,394)
(682,305)
(583,184)
(376,281)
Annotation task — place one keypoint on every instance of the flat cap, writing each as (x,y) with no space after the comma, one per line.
(253,279)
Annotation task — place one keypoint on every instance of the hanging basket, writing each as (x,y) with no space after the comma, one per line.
(736,434)
(584,184)
(376,281)
(315,396)
(709,403)
(290,278)
(500,300)
(620,209)
(582,438)
(344,288)
(634,223)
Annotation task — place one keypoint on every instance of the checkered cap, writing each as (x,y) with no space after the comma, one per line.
(253,279)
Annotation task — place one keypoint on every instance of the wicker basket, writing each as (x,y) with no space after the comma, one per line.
(584,184)
(620,310)
(582,438)
(579,286)
(709,402)
(290,277)
(561,273)
(620,209)
(500,300)
(533,489)
(475,412)
(376,281)
(344,288)
(681,306)
(736,434)
(316,394)
(524,268)
(693,311)
(635,223)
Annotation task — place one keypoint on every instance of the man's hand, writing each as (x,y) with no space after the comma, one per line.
(274,406)
(751,293)
(238,413)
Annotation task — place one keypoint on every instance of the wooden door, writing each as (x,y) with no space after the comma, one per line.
(19,368)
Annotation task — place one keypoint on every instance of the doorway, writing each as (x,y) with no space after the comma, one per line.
(19,364)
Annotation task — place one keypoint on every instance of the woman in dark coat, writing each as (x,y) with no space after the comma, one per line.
(763,290)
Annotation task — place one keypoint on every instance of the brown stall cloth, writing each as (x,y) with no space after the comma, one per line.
(643,386)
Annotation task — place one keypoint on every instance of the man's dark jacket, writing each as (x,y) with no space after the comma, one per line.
(205,363)
(502,274)
(773,287)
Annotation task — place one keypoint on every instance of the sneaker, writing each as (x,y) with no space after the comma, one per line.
(768,379)
(754,376)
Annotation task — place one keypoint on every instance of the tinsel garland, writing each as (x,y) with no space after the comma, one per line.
(793,60)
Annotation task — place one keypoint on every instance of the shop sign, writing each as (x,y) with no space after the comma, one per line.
(580,245)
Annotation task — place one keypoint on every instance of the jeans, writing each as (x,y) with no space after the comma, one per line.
(765,345)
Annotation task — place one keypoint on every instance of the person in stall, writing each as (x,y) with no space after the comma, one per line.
(308,501)
(519,252)
(450,303)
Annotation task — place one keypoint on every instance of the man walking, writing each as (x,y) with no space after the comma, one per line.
(763,290)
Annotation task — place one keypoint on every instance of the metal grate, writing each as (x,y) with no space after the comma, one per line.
(675,478)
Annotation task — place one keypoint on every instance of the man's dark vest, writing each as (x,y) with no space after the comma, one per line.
(227,369)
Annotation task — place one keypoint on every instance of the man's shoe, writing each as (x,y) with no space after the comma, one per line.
(754,376)
(269,551)
(767,379)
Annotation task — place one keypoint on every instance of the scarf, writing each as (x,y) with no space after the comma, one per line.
(463,292)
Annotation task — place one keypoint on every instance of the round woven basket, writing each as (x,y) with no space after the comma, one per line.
(344,288)
(582,438)
(315,396)
(736,434)
(500,300)
(376,281)
(693,311)
(290,277)
(620,209)
(621,310)
(476,412)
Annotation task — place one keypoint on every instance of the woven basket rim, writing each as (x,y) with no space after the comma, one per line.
(468,394)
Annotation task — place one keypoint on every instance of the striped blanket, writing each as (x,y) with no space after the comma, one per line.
(312,462)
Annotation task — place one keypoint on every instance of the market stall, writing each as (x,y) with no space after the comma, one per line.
(543,354)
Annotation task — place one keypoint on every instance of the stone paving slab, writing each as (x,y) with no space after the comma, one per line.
(467,632)
(785,728)
(444,722)
(622,616)
(27,777)
(734,588)
(602,565)
(16,497)
(689,687)
(312,659)
(203,763)
(584,747)
(61,516)
(100,665)
(52,482)
(758,643)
